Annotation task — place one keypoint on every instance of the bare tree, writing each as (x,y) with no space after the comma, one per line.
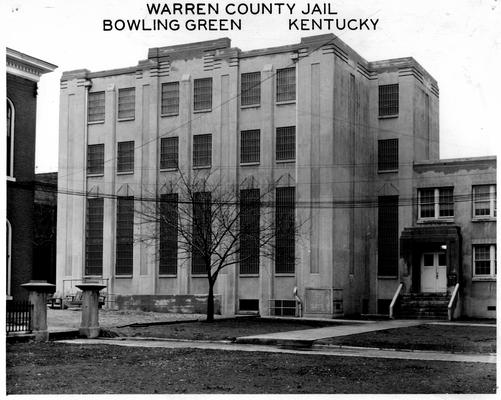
(216,225)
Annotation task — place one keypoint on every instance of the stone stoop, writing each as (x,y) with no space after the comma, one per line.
(423,306)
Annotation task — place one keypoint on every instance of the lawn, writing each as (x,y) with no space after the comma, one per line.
(455,338)
(57,368)
(225,329)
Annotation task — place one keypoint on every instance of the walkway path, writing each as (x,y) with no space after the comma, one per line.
(315,350)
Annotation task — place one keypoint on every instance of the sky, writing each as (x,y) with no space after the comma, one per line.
(457,41)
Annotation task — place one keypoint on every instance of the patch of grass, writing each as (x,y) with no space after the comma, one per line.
(57,368)
(455,338)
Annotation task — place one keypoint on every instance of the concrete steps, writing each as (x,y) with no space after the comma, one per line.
(423,306)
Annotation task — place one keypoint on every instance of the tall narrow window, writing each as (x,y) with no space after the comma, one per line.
(249,231)
(202,150)
(202,219)
(125,156)
(170,98)
(388,100)
(94,237)
(95,159)
(95,108)
(168,234)
(169,152)
(388,236)
(387,155)
(286,143)
(10,139)
(286,84)
(126,103)
(484,201)
(125,235)
(249,146)
(202,94)
(250,89)
(285,230)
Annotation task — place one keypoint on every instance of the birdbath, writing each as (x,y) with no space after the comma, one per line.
(38,294)
(90,312)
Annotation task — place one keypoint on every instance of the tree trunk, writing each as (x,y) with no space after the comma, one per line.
(210,302)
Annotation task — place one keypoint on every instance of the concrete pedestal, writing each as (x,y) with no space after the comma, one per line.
(38,293)
(90,309)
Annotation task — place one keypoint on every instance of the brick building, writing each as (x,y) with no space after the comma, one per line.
(356,141)
(23,73)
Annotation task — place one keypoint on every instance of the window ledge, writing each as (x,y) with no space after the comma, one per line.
(283,103)
(388,116)
(173,169)
(169,115)
(168,276)
(247,106)
(435,221)
(11,179)
(483,219)
(248,275)
(126,119)
(483,279)
(202,167)
(199,275)
(285,275)
(125,172)
(202,111)
(387,171)
(250,164)
(285,161)
(95,122)
(123,276)
(95,175)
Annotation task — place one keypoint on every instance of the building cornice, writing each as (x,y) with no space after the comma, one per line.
(26,66)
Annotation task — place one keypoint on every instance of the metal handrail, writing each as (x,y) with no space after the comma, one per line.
(453,302)
(299,302)
(394,300)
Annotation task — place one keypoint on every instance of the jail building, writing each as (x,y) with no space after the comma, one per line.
(386,226)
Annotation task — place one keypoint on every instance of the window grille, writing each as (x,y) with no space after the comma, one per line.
(201,231)
(94,237)
(283,308)
(388,235)
(388,155)
(125,157)
(125,235)
(202,97)
(286,143)
(250,89)
(95,159)
(248,305)
(126,103)
(170,98)
(388,100)
(168,234)
(484,260)
(169,152)
(202,150)
(285,230)
(286,84)
(250,146)
(249,231)
(484,201)
(95,107)
(446,202)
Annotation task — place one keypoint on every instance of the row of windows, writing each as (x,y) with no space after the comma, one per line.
(202,151)
(250,90)
(438,203)
(168,261)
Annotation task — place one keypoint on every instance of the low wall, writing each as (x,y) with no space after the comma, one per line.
(184,304)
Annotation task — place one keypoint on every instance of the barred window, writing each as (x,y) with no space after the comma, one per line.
(250,89)
(249,231)
(484,201)
(126,103)
(168,234)
(484,260)
(434,203)
(286,143)
(388,100)
(95,108)
(387,155)
(95,159)
(202,94)
(249,146)
(201,231)
(125,236)
(94,237)
(286,84)
(285,230)
(202,150)
(169,152)
(125,157)
(170,98)
(387,236)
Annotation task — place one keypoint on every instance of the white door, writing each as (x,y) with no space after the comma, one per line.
(433,272)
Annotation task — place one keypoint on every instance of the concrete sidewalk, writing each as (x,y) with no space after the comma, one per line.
(315,350)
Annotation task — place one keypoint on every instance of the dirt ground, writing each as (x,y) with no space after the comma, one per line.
(57,368)
(456,338)
(225,329)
